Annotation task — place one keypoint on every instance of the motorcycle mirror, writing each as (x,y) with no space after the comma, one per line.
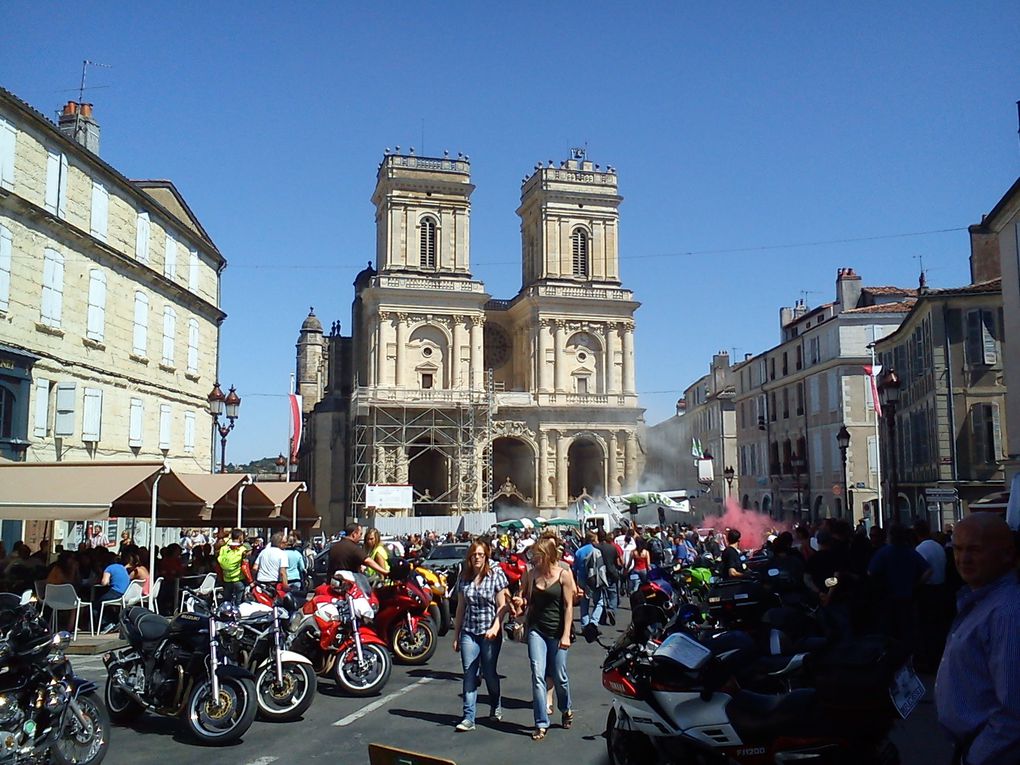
(26,598)
(832,581)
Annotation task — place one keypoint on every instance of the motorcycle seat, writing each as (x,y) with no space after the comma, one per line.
(150,625)
(760,716)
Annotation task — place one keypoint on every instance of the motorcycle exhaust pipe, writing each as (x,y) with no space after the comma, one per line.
(130,691)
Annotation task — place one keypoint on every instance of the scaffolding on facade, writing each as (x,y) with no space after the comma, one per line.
(443,429)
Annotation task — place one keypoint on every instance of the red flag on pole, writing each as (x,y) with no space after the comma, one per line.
(295,426)
(873,373)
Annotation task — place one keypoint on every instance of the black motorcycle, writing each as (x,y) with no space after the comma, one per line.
(174,667)
(44,708)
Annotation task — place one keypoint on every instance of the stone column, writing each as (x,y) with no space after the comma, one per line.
(630,473)
(612,346)
(628,358)
(401,375)
(543,351)
(456,367)
(560,363)
(380,464)
(477,362)
(402,466)
(384,339)
(543,469)
(614,470)
(561,469)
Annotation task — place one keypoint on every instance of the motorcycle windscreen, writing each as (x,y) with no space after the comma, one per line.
(683,650)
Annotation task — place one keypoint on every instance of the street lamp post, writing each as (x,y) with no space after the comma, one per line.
(728,474)
(798,464)
(843,439)
(220,406)
(889,391)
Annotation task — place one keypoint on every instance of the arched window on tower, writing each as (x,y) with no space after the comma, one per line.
(428,244)
(580,252)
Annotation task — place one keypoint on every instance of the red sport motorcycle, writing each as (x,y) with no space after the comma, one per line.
(403,615)
(329,630)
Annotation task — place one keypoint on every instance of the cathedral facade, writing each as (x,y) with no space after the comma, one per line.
(477,403)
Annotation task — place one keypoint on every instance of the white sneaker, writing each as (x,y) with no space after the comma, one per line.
(497,714)
(464,725)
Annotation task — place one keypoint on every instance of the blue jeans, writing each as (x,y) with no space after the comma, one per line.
(593,602)
(547,660)
(478,658)
(613,597)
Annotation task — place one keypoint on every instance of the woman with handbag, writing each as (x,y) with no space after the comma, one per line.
(547,597)
(482,599)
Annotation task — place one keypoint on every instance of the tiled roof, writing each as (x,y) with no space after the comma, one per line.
(992,285)
(890,291)
(903,306)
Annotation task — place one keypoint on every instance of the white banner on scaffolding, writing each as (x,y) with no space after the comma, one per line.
(388,496)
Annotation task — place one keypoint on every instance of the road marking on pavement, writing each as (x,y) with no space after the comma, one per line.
(354,717)
(262,761)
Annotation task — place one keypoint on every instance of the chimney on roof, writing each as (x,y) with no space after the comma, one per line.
(984,254)
(77,123)
(681,406)
(799,309)
(848,288)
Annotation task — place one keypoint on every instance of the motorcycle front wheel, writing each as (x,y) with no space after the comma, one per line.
(626,747)
(223,720)
(80,744)
(287,700)
(414,647)
(365,678)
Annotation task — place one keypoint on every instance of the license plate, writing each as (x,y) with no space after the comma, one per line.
(906,691)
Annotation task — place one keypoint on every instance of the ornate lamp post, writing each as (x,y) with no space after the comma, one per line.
(281,467)
(843,440)
(797,463)
(220,406)
(889,392)
(728,474)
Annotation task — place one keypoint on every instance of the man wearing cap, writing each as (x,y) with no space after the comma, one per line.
(230,558)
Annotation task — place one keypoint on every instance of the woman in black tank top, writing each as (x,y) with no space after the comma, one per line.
(547,600)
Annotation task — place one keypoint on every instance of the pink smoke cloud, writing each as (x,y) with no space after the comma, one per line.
(754,527)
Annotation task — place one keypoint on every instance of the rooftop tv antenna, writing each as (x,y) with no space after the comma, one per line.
(805,293)
(84,71)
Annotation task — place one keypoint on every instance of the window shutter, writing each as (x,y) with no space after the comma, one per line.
(996,433)
(52,181)
(170,259)
(6,245)
(189,432)
(974,347)
(53,287)
(8,142)
(976,441)
(100,210)
(97,305)
(135,422)
(989,347)
(62,188)
(142,233)
(193,271)
(92,415)
(41,391)
(140,340)
(164,426)
(193,346)
(169,330)
(63,424)
(872,455)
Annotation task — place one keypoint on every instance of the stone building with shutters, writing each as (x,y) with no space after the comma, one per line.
(478,402)
(109,304)
(950,424)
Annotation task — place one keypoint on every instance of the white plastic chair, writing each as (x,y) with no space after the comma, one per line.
(132,597)
(154,594)
(206,587)
(62,597)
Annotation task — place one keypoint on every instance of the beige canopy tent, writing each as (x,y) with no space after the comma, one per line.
(270,503)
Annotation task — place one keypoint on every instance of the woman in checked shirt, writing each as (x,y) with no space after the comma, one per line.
(481,602)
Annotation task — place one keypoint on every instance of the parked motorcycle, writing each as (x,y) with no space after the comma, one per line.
(284,680)
(403,616)
(174,667)
(674,701)
(439,608)
(46,712)
(330,631)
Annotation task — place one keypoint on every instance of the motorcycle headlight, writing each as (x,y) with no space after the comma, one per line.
(58,647)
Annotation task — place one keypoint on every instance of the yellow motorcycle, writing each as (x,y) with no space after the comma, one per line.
(439,608)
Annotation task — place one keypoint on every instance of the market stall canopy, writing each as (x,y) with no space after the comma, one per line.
(520,523)
(269,503)
(84,491)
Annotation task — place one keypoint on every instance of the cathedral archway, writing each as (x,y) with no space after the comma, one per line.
(584,358)
(513,473)
(428,471)
(586,467)
(429,358)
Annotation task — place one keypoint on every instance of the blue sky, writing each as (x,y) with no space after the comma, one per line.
(734,128)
